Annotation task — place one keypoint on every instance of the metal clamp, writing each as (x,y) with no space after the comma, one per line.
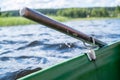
(91,53)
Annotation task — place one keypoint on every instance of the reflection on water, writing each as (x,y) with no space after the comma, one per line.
(35,46)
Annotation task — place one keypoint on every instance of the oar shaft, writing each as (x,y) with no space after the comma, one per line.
(42,19)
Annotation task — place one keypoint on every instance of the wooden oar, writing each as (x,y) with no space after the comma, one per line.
(42,19)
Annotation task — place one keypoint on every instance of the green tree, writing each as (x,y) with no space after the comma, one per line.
(93,13)
(0,11)
(101,12)
(4,14)
(117,11)
(104,12)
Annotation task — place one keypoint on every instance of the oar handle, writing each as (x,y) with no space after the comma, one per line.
(42,19)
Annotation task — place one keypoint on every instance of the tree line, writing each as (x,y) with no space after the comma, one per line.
(74,12)
(90,12)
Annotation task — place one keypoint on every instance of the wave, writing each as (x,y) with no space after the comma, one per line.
(12,42)
(31,44)
(18,74)
(62,47)
(21,59)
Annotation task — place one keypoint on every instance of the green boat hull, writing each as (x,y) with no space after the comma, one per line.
(106,67)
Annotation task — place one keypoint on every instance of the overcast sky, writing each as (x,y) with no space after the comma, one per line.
(17,4)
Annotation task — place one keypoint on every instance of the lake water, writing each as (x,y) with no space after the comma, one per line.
(33,46)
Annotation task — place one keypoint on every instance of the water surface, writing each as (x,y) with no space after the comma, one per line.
(34,46)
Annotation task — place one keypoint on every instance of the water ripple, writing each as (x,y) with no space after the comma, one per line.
(25,48)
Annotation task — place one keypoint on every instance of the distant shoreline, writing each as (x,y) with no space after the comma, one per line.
(14,21)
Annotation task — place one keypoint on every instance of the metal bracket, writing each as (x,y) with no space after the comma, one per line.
(91,53)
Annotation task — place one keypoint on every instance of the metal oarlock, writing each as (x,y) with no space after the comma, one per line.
(91,53)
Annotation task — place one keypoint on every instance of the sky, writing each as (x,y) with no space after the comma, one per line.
(18,4)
